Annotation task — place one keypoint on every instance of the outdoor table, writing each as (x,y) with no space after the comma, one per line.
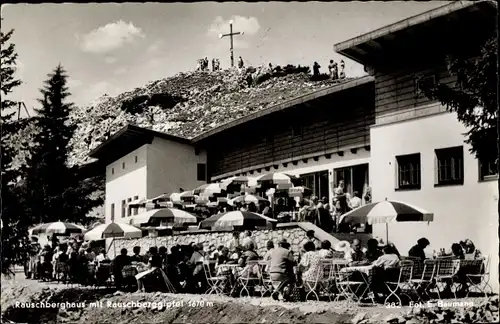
(366,275)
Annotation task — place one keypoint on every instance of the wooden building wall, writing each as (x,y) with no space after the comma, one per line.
(332,122)
(396,89)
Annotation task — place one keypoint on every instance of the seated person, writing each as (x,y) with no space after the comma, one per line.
(310,264)
(372,252)
(470,250)
(326,252)
(417,251)
(281,268)
(457,251)
(196,263)
(386,268)
(118,264)
(355,256)
(136,257)
(249,254)
(154,275)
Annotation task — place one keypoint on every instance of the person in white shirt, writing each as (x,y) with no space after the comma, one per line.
(355,201)
(388,270)
(102,256)
(248,239)
(234,242)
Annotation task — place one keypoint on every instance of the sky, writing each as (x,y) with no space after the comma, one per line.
(113,48)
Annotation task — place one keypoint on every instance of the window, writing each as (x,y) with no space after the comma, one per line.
(408,171)
(123,165)
(424,82)
(450,166)
(129,209)
(297,130)
(136,209)
(112,170)
(488,170)
(123,208)
(112,212)
(136,159)
(201,172)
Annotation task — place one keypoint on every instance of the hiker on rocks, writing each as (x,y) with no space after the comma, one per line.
(217,64)
(199,65)
(316,68)
(334,72)
(205,64)
(240,63)
(342,67)
(213,64)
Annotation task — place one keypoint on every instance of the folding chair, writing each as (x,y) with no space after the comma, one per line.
(345,284)
(479,280)
(248,277)
(265,281)
(313,286)
(403,282)
(447,268)
(423,283)
(216,284)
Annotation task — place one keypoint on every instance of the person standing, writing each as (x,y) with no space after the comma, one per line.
(316,68)
(240,63)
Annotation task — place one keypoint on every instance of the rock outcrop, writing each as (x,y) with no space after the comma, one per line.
(185,105)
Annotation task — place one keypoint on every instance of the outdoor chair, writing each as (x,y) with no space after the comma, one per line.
(248,279)
(479,280)
(320,284)
(62,272)
(423,284)
(446,270)
(402,283)
(348,288)
(216,284)
(265,284)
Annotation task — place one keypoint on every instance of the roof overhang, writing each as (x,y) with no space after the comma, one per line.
(285,105)
(128,139)
(442,27)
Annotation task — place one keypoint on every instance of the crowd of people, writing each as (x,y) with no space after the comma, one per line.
(335,70)
(182,268)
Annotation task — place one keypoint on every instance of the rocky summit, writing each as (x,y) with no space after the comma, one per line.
(186,105)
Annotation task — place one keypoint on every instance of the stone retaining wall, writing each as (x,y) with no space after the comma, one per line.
(292,233)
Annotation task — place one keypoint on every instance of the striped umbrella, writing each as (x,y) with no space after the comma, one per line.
(275,178)
(247,199)
(167,215)
(386,212)
(57,228)
(112,230)
(208,189)
(236,218)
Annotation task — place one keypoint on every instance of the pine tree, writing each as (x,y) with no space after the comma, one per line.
(14,225)
(54,190)
(474,97)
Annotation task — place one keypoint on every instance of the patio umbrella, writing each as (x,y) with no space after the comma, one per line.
(386,212)
(247,199)
(112,230)
(168,215)
(57,228)
(236,218)
(208,189)
(275,178)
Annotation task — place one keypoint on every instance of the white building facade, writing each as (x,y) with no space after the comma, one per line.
(160,164)
(418,150)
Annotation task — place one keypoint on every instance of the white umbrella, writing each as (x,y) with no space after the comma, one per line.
(168,215)
(112,230)
(57,228)
(247,199)
(386,212)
